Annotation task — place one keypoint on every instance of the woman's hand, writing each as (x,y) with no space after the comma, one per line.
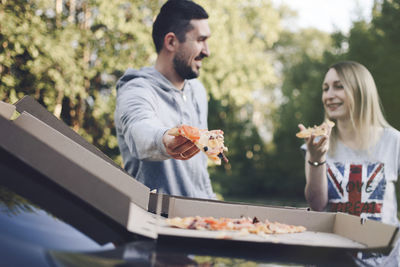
(317,146)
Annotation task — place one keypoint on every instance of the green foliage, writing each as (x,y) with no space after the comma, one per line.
(70,56)
(241,77)
(303,68)
(374,44)
(70,61)
(243,33)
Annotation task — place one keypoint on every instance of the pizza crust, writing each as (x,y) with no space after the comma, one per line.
(316,130)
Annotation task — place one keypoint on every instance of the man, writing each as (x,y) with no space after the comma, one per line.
(152,100)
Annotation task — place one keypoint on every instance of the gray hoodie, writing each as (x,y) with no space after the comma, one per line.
(147,106)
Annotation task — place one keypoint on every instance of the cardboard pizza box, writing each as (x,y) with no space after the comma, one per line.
(43,124)
(324,229)
(73,167)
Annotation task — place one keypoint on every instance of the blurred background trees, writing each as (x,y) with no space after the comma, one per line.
(262,78)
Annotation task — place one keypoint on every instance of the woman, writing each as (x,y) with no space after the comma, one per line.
(354,167)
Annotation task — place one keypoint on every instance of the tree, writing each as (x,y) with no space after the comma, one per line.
(303,56)
(68,54)
(241,77)
(375,45)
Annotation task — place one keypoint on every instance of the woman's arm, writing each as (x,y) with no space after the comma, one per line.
(316,190)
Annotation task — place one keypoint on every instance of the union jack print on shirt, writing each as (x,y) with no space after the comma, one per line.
(357,188)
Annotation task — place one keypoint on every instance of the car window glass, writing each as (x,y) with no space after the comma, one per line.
(22,220)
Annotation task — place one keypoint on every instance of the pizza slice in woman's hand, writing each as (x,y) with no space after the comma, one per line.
(210,142)
(316,130)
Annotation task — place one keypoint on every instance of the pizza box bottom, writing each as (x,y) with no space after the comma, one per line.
(330,237)
(324,229)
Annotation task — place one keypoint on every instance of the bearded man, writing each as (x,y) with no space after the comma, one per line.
(152,100)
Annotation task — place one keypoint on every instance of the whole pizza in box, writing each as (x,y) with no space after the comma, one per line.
(245,225)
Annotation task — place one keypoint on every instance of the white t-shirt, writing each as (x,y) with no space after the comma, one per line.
(363,183)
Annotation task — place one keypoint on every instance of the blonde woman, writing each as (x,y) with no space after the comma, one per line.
(354,167)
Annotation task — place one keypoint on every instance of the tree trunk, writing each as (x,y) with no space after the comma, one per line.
(58,12)
(58,107)
(78,116)
(72,11)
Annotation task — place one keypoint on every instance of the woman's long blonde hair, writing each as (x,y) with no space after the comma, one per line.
(365,108)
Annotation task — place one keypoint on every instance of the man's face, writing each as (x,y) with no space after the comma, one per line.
(187,60)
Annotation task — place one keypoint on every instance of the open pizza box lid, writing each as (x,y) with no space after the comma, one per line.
(74,168)
(31,106)
(90,177)
(36,120)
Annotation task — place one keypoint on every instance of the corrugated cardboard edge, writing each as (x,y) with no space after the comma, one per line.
(380,235)
(6,110)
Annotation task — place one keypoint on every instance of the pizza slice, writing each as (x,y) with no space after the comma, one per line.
(210,142)
(316,130)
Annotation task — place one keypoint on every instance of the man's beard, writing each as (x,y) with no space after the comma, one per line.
(183,69)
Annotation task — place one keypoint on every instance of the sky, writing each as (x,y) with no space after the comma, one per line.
(328,15)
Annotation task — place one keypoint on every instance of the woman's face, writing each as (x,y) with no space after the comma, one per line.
(333,96)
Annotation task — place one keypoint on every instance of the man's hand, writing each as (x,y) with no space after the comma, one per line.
(179,147)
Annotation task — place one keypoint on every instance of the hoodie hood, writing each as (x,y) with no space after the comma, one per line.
(148,73)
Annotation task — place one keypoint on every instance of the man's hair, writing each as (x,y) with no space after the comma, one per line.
(175,16)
